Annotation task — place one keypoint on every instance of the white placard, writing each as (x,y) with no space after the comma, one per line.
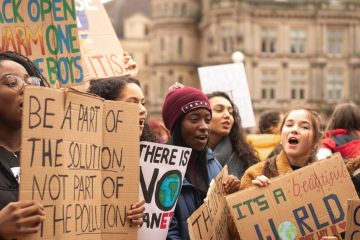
(230,78)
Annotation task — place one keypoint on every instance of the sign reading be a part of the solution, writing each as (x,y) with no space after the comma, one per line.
(80,159)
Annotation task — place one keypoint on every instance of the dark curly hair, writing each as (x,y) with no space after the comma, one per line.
(110,89)
(237,134)
(268,120)
(26,63)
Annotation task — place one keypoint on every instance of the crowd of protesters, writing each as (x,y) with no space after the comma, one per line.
(208,124)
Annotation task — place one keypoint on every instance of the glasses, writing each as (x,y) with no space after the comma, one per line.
(15,82)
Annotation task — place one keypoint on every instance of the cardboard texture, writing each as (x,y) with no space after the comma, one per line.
(353,220)
(100,47)
(231,79)
(79,158)
(47,34)
(211,219)
(162,172)
(305,204)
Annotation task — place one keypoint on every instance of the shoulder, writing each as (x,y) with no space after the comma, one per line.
(213,164)
(251,173)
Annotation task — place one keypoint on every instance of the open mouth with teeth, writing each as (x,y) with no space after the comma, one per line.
(293,140)
(141,122)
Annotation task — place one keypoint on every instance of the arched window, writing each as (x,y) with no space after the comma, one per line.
(180,46)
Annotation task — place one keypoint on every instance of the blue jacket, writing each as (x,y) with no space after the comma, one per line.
(190,200)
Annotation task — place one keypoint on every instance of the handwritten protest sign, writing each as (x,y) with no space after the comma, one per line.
(79,158)
(230,78)
(45,32)
(100,47)
(210,220)
(353,220)
(162,172)
(306,204)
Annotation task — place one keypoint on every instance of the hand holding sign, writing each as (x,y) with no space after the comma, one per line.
(19,218)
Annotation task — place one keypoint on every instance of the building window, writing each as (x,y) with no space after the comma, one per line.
(298,79)
(334,84)
(146,59)
(180,79)
(163,88)
(269,83)
(268,40)
(162,44)
(176,10)
(183,9)
(180,46)
(335,40)
(227,39)
(297,41)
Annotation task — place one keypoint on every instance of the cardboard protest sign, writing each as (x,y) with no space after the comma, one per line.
(230,78)
(210,220)
(306,204)
(100,47)
(79,158)
(162,172)
(45,32)
(353,220)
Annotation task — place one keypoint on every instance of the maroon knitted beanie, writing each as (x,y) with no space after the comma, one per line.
(180,101)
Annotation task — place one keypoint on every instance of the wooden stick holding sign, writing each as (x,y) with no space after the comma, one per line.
(79,158)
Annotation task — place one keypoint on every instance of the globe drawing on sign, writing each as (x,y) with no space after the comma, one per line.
(169,190)
(287,230)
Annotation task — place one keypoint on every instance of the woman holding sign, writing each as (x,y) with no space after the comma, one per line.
(186,113)
(17,218)
(300,139)
(227,137)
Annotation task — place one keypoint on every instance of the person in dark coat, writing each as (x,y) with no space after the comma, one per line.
(186,113)
(17,218)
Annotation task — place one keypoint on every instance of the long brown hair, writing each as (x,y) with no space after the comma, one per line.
(346,116)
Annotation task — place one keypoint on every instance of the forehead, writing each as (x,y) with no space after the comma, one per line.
(9,66)
(200,111)
(219,101)
(131,90)
(299,115)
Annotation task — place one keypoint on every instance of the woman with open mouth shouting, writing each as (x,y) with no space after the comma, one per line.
(300,139)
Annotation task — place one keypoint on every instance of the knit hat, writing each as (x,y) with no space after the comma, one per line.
(181,100)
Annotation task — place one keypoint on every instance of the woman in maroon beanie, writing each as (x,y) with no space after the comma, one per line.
(186,113)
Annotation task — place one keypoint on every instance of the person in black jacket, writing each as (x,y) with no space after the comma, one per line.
(17,218)
(186,113)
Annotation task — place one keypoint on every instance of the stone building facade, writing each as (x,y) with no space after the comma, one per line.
(296,51)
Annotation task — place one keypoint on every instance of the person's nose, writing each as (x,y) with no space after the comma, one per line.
(142,110)
(204,126)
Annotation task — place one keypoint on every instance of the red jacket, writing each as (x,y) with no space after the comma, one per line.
(339,140)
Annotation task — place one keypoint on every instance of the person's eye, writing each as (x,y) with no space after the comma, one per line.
(208,120)
(306,127)
(143,103)
(12,83)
